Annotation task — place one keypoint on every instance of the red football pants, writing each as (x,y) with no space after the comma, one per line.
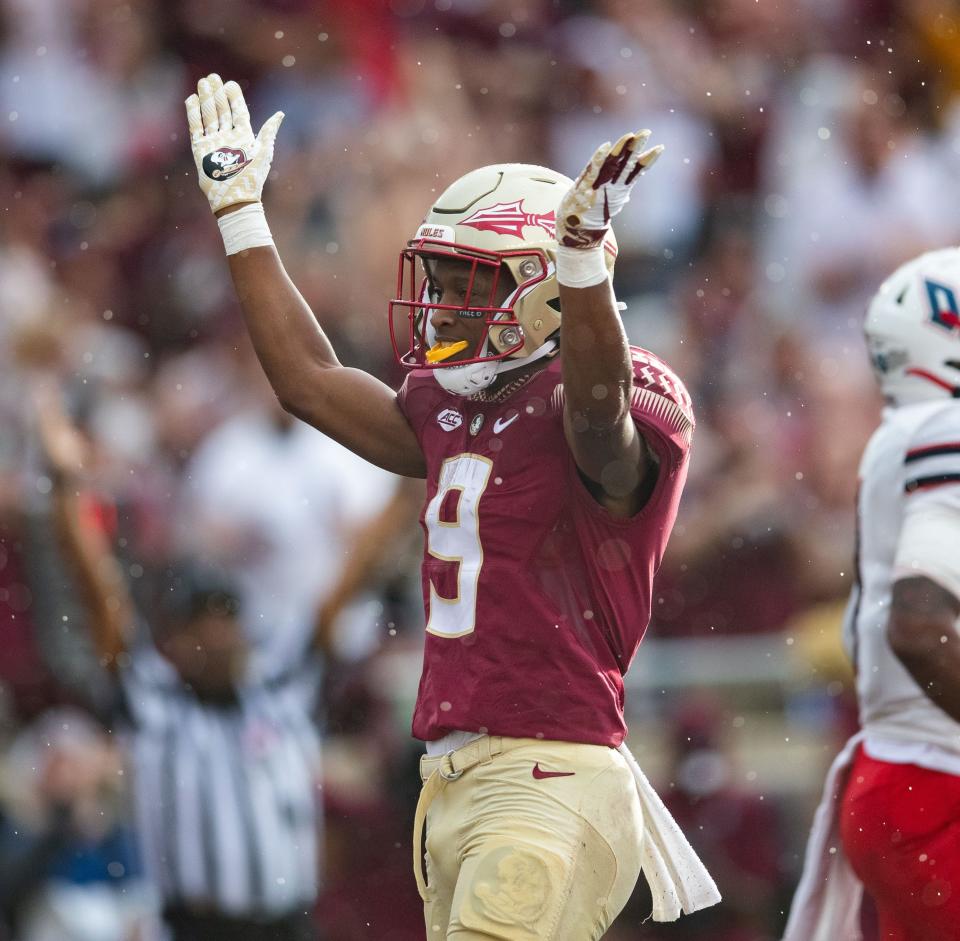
(900,826)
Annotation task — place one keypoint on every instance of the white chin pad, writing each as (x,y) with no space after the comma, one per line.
(468,379)
(471,378)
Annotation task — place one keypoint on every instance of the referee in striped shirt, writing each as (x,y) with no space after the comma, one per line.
(224,753)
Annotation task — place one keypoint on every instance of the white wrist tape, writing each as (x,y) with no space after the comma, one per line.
(581,267)
(245,228)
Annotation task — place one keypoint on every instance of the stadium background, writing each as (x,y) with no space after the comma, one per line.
(811,146)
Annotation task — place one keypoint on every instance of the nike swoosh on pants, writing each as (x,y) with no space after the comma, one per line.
(540,775)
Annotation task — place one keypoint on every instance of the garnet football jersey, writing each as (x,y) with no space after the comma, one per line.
(536,597)
(909,474)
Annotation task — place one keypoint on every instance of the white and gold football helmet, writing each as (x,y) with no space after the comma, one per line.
(502,219)
(913,329)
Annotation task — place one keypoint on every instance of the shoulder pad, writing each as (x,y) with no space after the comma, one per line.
(654,380)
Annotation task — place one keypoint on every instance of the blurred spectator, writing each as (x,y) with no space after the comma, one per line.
(68,869)
(850,173)
(276,504)
(627,66)
(86,85)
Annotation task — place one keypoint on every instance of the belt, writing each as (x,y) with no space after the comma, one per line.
(478,752)
(438,771)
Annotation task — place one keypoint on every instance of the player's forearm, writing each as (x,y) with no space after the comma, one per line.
(350,406)
(923,634)
(100,581)
(369,547)
(288,340)
(597,370)
(232,167)
(597,373)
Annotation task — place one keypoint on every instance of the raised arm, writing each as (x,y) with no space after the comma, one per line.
(595,354)
(349,405)
(103,591)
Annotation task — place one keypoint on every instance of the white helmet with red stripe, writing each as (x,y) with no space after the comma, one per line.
(500,218)
(913,329)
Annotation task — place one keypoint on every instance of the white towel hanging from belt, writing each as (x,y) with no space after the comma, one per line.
(678,880)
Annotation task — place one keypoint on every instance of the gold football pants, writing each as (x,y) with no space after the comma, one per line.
(527,840)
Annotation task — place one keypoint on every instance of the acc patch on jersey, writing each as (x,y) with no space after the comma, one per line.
(449,419)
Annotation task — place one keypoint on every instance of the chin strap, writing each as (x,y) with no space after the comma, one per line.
(545,349)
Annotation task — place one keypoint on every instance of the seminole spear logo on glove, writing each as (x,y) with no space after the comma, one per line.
(224,163)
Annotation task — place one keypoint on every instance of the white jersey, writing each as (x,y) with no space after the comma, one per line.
(908,524)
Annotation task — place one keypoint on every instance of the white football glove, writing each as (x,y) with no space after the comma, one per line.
(602,190)
(232,164)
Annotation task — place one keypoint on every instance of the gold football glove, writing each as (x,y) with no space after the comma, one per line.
(603,189)
(232,164)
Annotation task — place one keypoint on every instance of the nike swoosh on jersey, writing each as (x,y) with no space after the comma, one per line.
(500,424)
(540,775)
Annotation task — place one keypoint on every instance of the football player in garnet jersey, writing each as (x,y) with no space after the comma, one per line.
(892,798)
(554,455)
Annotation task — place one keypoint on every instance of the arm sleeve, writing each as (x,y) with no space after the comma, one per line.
(928,546)
(417,399)
(661,409)
(929,542)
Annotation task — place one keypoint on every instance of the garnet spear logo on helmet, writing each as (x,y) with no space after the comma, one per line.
(511,219)
(224,163)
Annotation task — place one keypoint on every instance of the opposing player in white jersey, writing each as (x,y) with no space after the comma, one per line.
(890,817)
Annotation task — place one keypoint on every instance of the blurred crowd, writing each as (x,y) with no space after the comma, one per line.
(812,145)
